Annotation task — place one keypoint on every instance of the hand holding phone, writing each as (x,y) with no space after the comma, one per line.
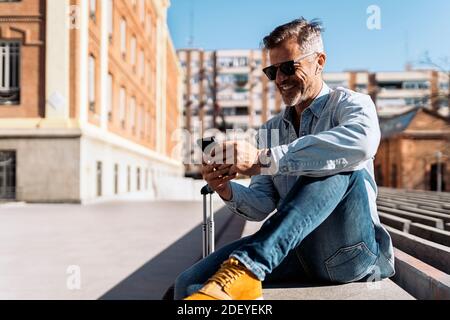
(216,175)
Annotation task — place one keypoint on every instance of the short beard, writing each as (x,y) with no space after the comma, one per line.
(293,101)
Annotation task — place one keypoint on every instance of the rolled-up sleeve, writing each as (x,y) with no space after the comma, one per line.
(350,144)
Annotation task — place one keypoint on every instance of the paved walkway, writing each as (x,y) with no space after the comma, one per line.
(125,250)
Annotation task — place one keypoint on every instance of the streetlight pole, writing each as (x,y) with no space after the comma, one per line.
(214,91)
(201,109)
(448,96)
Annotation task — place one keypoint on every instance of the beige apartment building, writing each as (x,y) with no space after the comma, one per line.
(234,80)
(397,91)
(226,85)
(90,96)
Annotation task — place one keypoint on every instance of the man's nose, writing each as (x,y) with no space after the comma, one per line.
(281,77)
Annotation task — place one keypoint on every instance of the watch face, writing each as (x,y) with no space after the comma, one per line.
(265,159)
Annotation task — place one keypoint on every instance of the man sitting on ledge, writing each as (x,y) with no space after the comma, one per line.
(319,176)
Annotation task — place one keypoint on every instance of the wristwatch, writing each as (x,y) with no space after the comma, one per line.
(265,158)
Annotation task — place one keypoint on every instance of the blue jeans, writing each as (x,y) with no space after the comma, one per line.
(323,231)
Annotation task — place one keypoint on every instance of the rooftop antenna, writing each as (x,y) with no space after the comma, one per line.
(191,25)
(408,64)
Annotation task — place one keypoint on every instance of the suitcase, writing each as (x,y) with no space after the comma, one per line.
(208,241)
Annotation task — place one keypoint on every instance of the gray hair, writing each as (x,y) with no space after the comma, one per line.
(307,33)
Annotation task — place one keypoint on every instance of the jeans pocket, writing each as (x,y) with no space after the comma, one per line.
(350,264)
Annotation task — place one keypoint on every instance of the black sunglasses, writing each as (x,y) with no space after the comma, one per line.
(288,68)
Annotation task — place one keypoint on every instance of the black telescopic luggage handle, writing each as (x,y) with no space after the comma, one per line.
(208,221)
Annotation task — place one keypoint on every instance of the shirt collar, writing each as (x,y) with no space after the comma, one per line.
(316,106)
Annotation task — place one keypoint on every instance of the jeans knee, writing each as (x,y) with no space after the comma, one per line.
(360,177)
(182,282)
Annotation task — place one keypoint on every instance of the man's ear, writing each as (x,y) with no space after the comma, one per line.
(321,61)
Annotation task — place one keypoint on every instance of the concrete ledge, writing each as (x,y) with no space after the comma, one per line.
(395,222)
(432,253)
(382,290)
(430,233)
(431,196)
(387,204)
(430,213)
(420,279)
(444,211)
(407,200)
(414,217)
(394,203)
(39,133)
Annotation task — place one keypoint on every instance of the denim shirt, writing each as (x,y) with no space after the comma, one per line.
(339,132)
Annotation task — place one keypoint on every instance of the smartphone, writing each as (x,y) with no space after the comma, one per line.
(206,144)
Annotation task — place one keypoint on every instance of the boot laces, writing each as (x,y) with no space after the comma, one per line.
(228,273)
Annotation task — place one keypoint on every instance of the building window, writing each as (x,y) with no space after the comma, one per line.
(99,178)
(146,179)
(116,179)
(7,175)
(129,179)
(92,83)
(133,51)
(142,10)
(149,24)
(138,179)
(437,177)
(123,37)
(110,13)
(93,9)
(141,65)
(147,125)
(141,119)
(9,73)
(122,106)
(149,74)
(110,96)
(133,114)
(416,85)
(150,130)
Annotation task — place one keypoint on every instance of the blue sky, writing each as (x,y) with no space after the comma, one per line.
(408,28)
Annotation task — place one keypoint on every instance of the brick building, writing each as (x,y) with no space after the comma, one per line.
(89,98)
(415,151)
